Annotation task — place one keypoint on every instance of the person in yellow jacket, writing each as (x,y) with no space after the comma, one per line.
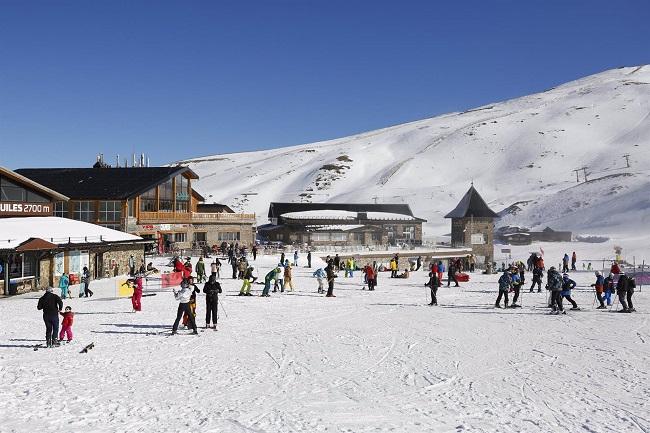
(393,268)
(350,265)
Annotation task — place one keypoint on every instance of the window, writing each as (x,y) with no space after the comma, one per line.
(319,236)
(358,237)
(228,236)
(131,206)
(166,196)
(376,237)
(110,211)
(180,237)
(148,201)
(83,211)
(182,194)
(200,237)
(61,209)
(339,237)
(409,232)
(10,191)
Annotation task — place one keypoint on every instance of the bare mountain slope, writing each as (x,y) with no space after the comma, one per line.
(521,150)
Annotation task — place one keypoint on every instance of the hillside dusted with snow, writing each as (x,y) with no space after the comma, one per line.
(522,151)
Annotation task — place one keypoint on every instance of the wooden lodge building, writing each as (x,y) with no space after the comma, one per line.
(156,203)
(342,224)
(472,225)
(36,248)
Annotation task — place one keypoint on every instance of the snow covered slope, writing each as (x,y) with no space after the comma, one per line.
(522,150)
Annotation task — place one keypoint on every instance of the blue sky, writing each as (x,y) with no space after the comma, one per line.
(192,78)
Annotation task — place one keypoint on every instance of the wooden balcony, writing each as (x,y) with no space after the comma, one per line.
(194,217)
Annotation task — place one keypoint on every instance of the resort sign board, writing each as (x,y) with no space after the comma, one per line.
(18,208)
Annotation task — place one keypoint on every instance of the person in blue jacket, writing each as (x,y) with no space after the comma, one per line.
(64,283)
(609,288)
(505,284)
(567,285)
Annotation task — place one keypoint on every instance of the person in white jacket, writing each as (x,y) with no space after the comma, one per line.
(183,295)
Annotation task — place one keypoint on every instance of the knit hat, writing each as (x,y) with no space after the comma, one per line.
(49,289)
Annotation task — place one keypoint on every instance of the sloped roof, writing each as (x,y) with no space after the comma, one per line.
(42,189)
(276,209)
(472,205)
(214,208)
(118,183)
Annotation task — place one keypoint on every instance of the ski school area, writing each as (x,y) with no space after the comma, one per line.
(297,361)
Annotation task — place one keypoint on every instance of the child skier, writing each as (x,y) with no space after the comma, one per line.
(320,276)
(598,289)
(538,274)
(248,279)
(608,288)
(66,325)
(554,284)
(288,281)
(136,298)
(200,270)
(505,284)
(434,284)
(184,296)
(64,283)
(567,285)
(211,289)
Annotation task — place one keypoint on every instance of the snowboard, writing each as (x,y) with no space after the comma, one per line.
(87,348)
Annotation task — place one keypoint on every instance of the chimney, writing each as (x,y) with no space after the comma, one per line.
(117,160)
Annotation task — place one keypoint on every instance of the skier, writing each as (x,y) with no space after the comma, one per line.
(567,285)
(441,270)
(241,268)
(282,258)
(598,289)
(279,279)
(393,268)
(235,267)
(418,263)
(51,304)
(85,282)
(288,282)
(309,259)
(183,295)
(608,287)
(254,252)
(295,258)
(272,275)
(136,298)
(64,283)
(350,266)
(320,275)
(625,290)
(370,277)
(200,270)
(538,274)
(337,262)
(131,265)
(187,268)
(573,261)
(505,284)
(451,275)
(565,263)
(434,284)
(211,289)
(517,283)
(615,269)
(215,268)
(66,325)
(554,284)
(248,279)
(329,270)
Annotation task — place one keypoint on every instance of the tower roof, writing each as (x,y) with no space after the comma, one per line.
(472,205)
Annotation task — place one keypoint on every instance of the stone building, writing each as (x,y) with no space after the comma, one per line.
(342,224)
(472,225)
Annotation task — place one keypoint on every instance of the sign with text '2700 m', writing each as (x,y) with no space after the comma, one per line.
(18,208)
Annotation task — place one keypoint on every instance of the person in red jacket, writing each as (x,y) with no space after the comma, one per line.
(136,298)
(66,325)
(615,269)
(370,277)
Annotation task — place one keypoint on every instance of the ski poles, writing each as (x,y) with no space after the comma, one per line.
(224,310)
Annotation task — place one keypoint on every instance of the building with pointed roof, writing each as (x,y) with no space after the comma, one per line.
(472,225)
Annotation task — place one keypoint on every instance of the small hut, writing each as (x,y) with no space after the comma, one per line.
(472,225)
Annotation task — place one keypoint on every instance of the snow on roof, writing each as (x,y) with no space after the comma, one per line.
(341,227)
(15,231)
(345,215)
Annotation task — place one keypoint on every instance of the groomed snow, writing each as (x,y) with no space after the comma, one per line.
(361,362)
(15,231)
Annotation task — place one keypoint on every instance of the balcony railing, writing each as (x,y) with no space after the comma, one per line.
(194,217)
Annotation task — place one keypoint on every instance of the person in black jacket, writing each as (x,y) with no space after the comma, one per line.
(51,305)
(625,290)
(451,274)
(329,271)
(211,289)
(538,274)
(433,284)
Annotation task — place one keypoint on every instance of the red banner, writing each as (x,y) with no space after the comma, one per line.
(172,279)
